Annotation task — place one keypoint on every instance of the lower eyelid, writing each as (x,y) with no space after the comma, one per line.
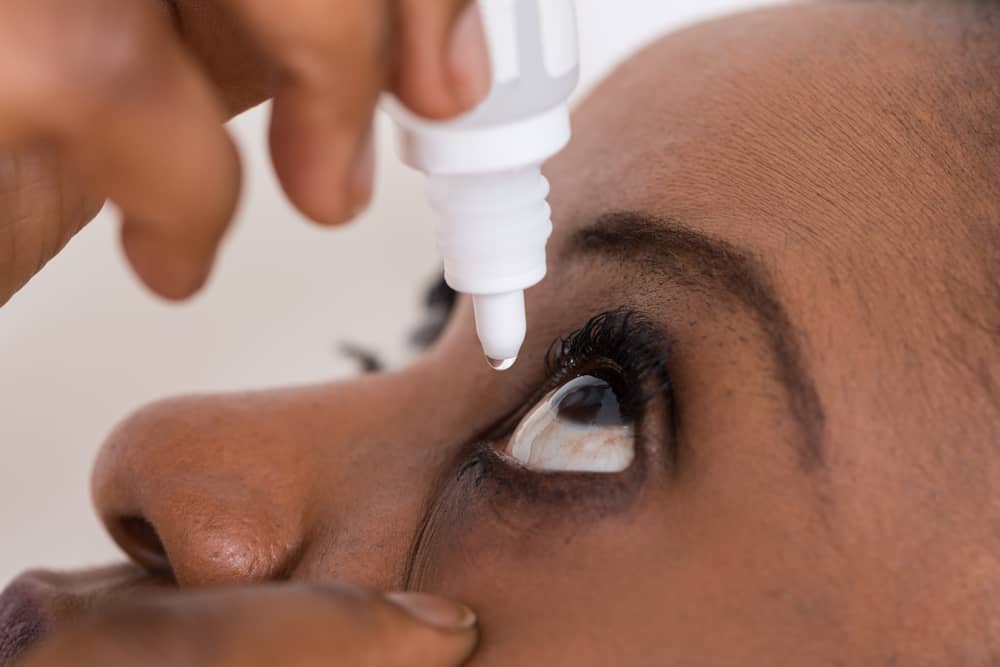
(511,486)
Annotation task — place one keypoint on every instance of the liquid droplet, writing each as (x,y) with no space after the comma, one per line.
(501,364)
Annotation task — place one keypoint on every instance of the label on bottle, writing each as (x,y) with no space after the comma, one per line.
(559,36)
(500,22)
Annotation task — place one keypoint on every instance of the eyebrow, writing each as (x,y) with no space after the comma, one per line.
(661,245)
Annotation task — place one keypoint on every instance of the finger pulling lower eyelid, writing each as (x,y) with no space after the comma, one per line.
(435,611)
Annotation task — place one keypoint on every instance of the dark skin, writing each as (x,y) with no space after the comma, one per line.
(796,202)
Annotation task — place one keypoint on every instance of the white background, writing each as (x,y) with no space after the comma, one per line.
(83,344)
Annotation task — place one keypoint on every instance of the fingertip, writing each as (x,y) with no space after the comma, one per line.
(435,611)
(444,65)
(326,171)
(168,269)
(315,199)
(445,634)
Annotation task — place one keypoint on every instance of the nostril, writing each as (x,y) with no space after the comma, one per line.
(141,541)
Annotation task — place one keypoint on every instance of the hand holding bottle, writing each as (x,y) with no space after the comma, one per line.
(125,100)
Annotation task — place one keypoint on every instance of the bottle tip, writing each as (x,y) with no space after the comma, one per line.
(501,364)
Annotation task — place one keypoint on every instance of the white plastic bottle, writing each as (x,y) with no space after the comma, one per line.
(484,168)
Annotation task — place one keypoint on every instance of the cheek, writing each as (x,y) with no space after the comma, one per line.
(671,577)
(547,590)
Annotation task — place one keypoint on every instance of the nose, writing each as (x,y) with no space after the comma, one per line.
(314,482)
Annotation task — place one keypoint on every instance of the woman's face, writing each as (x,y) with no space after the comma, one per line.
(747,443)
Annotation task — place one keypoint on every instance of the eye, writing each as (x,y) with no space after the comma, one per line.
(578,427)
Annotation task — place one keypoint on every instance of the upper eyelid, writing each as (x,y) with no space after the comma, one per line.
(623,335)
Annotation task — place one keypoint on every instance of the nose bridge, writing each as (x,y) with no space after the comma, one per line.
(318,482)
(379,467)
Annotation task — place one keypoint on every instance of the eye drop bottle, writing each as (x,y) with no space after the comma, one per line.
(484,167)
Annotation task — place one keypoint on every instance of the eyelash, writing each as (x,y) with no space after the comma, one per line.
(625,349)
(622,341)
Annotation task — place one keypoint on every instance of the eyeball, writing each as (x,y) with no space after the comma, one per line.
(578,427)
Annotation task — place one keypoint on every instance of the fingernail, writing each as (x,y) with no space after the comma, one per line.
(362,176)
(469,58)
(435,611)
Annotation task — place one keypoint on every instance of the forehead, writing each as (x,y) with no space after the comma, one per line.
(788,117)
(815,136)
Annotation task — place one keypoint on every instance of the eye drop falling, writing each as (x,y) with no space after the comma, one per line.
(484,168)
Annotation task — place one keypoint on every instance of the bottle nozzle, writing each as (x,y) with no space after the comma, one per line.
(492,235)
(501,325)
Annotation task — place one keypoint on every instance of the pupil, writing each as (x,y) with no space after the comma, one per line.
(588,401)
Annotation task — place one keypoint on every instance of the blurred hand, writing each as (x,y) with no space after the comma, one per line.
(125,100)
(268,626)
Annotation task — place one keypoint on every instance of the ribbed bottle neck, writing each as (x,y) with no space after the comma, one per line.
(492,229)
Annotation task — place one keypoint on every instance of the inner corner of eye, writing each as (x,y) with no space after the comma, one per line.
(577,427)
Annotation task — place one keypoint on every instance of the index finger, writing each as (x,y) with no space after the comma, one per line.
(324,623)
(334,61)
